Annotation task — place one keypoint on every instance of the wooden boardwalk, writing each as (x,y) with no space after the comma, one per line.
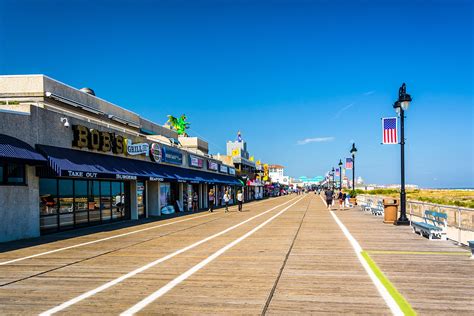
(284,255)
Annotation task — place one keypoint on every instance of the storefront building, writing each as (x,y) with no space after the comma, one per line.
(69,159)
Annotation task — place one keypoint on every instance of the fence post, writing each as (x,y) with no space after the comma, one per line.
(459,226)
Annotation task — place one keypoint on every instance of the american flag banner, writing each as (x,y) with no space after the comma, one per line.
(389,127)
(348,163)
(337,172)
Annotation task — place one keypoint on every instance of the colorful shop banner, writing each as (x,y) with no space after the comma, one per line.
(212,165)
(232,171)
(171,155)
(224,169)
(195,161)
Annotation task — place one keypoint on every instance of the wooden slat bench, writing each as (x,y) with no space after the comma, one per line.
(435,224)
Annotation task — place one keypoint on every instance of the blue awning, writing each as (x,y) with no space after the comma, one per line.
(76,163)
(13,149)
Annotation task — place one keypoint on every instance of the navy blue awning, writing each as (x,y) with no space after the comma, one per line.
(13,149)
(76,163)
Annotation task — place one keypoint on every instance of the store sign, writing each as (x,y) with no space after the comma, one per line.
(232,171)
(212,165)
(95,140)
(137,149)
(155,152)
(223,169)
(171,155)
(195,161)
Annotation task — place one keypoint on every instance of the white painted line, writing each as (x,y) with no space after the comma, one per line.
(104,239)
(149,265)
(380,287)
(146,301)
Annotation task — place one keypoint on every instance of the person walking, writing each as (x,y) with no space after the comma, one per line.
(240,200)
(329,195)
(211,200)
(226,199)
(195,201)
(340,197)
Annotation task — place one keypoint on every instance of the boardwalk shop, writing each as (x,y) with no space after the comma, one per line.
(69,159)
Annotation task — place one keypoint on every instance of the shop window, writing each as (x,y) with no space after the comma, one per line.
(118,200)
(12,173)
(48,190)
(80,202)
(66,203)
(93,203)
(105,201)
(141,199)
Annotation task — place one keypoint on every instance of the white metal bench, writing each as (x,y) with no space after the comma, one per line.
(378,209)
(435,224)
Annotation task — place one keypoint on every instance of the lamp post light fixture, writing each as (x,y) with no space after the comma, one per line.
(400,106)
(340,174)
(332,173)
(353,153)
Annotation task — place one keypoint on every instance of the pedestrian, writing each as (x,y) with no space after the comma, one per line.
(226,199)
(329,195)
(195,201)
(211,200)
(240,200)
(346,197)
(340,197)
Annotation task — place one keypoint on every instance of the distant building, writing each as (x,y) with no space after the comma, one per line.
(276,173)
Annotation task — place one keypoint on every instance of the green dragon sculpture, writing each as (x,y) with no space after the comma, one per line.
(179,124)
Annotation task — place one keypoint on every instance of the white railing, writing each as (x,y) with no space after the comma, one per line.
(460,219)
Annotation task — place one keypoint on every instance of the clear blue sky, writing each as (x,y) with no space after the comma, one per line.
(279,71)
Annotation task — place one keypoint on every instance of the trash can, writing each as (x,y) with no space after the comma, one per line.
(390,211)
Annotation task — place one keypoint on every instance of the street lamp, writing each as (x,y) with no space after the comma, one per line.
(332,173)
(400,106)
(340,174)
(353,152)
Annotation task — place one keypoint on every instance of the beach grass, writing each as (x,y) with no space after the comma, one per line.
(463,198)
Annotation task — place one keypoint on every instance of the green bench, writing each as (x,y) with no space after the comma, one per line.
(435,225)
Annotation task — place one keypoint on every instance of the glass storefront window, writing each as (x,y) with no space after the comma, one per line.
(118,200)
(105,201)
(93,203)
(80,200)
(141,199)
(1,173)
(48,191)
(165,199)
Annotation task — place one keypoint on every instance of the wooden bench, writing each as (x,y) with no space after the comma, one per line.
(378,210)
(435,224)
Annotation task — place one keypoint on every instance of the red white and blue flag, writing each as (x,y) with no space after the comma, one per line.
(337,172)
(348,163)
(389,127)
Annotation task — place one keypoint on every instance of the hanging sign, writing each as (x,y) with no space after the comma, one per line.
(137,149)
(223,169)
(155,152)
(171,155)
(212,165)
(195,161)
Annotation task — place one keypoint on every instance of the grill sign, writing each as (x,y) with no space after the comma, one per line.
(137,149)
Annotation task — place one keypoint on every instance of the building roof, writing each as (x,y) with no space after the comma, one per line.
(276,167)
